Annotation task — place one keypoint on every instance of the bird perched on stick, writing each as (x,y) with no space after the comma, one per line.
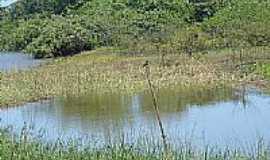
(146,63)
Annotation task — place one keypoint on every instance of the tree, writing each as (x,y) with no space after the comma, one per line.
(207,8)
(29,8)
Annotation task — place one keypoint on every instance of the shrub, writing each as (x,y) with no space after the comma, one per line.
(7,29)
(189,40)
(61,37)
(242,23)
(27,31)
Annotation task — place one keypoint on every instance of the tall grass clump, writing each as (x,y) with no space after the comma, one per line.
(25,147)
(264,69)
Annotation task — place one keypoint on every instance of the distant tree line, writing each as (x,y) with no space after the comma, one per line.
(49,28)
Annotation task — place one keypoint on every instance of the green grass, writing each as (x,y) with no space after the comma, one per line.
(24,148)
(264,69)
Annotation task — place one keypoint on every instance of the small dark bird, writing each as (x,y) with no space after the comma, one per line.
(146,63)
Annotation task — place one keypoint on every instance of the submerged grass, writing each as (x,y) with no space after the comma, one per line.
(109,70)
(24,148)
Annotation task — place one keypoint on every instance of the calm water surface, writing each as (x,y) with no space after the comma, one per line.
(203,116)
(16,61)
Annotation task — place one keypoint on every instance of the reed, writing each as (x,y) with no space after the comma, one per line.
(155,106)
(23,148)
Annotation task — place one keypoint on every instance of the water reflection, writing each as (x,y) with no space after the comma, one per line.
(201,115)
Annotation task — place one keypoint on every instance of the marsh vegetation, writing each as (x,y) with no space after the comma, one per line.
(98,50)
(111,70)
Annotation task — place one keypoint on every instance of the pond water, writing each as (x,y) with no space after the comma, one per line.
(203,116)
(10,61)
(5,3)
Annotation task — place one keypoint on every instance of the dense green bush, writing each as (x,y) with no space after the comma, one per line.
(29,8)
(59,28)
(137,18)
(62,37)
(27,31)
(204,9)
(242,23)
(95,23)
(7,29)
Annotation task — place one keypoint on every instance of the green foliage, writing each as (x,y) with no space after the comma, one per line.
(62,37)
(89,24)
(204,9)
(27,31)
(242,23)
(6,35)
(137,18)
(190,40)
(2,13)
(28,8)
(58,28)
(264,69)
